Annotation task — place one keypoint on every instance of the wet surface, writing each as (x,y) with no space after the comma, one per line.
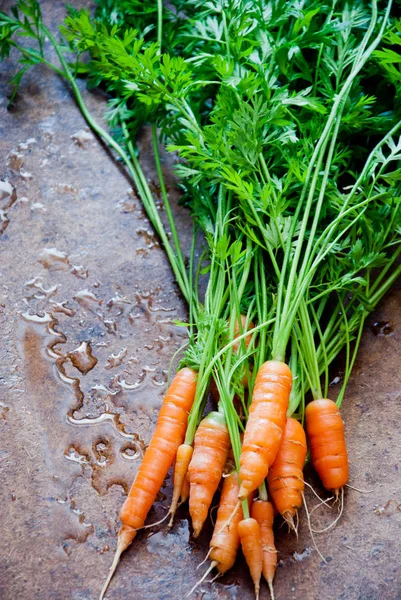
(87,304)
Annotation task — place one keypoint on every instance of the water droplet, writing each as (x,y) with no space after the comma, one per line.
(115,360)
(73,455)
(79,271)
(389,509)
(82,358)
(88,300)
(62,308)
(34,318)
(82,137)
(380,328)
(54,259)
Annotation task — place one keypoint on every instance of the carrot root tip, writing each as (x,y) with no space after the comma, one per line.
(271,590)
(290,522)
(120,549)
(202,579)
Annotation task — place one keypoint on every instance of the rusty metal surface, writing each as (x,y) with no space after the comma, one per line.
(87,302)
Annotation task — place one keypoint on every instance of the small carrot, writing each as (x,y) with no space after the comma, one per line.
(325,429)
(263,512)
(251,542)
(225,540)
(159,456)
(182,460)
(184,495)
(266,422)
(286,482)
(206,467)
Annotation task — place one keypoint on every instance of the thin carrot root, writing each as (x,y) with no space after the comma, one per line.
(229,521)
(336,519)
(317,495)
(205,559)
(311,530)
(120,549)
(271,590)
(290,522)
(363,491)
(202,579)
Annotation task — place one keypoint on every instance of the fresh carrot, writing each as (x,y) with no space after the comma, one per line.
(159,456)
(184,495)
(286,482)
(266,422)
(182,460)
(206,467)
(325,429)
(225,540)
(251,542)
(263,512)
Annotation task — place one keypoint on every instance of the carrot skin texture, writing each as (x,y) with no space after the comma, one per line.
(185,490)
(250,536)
(206,467)
(225,541)
(264,429)
(286,482)
(325,429)
(263,512)
(160,454)
(182,460)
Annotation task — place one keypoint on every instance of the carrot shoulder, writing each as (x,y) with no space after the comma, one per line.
(264,429)
(325,430)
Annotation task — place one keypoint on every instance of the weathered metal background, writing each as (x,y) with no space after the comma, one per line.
(87,302)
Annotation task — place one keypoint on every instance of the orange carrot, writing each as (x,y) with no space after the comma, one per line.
(286,482)
(264,429)
(263,512)
(185,489)
(206,467)
(225,540)
(325,429)
(159,456)
(182,460)
(251,542)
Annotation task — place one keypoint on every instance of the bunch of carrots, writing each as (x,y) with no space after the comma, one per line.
(290,166)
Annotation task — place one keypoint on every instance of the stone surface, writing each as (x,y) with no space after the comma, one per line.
(87,303)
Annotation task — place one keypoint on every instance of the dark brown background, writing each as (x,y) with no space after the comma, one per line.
(79,264)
